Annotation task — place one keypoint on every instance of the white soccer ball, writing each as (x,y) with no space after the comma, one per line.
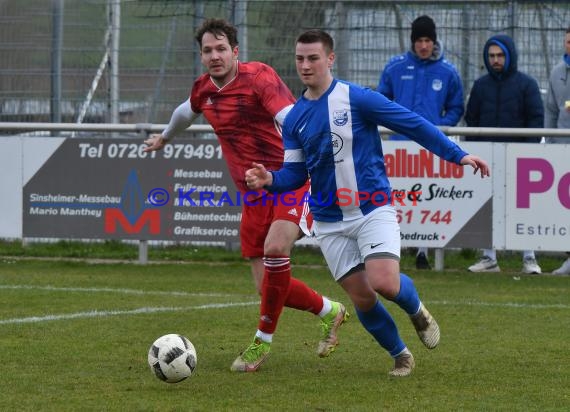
(172,358)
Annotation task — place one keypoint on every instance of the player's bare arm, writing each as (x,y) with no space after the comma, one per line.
(257,177)
(478,164)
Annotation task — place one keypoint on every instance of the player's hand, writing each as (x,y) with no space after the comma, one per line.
(154,142)
(258,176)
(478,164)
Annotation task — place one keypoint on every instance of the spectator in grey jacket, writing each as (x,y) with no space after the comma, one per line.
(558,112)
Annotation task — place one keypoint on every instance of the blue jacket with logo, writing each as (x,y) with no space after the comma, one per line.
(506,99)
(431,87)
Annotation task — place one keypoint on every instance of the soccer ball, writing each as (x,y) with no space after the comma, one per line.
(172,358)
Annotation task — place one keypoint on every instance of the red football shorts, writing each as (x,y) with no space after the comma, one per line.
(259,214)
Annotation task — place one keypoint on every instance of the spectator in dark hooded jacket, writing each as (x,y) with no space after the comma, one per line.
(505,97)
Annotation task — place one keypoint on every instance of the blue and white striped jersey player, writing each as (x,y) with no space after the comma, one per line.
(331,134)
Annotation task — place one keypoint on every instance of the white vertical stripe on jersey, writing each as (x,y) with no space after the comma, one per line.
(345,173)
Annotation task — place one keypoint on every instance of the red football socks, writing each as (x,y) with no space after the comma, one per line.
(280,289)
(274,291)
(302,297)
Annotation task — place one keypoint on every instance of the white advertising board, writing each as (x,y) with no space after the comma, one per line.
(537,197)
(452,205)
(526,201)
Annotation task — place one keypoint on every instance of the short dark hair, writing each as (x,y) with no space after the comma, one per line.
(568,29)
(218,27)
(317,36)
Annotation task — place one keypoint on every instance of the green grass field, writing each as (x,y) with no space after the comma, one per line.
(75,335)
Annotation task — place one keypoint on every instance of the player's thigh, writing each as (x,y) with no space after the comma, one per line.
(341,252)
(379,244)
(281,237)
(294,207)
(359,290)
(254,227)
(378,234)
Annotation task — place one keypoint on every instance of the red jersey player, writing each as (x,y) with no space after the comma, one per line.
(246,103)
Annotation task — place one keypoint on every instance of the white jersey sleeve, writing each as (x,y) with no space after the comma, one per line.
(280,117)
(182,117)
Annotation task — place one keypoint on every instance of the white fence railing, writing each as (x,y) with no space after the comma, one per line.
(156,128)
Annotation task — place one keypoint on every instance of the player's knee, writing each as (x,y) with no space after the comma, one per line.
(387,286)
(363,301)
(277,248)
(359,291)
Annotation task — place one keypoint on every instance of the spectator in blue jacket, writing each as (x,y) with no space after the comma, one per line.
(424,82)
(505,97)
